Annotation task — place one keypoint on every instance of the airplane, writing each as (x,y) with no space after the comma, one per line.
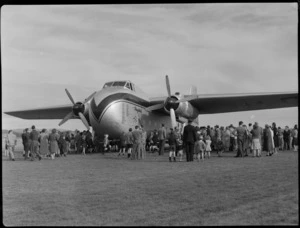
(121,105)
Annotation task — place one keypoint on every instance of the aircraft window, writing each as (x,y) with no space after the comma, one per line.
(108,84)
(119,84)
(128,86)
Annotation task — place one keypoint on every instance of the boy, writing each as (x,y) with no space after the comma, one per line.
(172,144)
(200,148)
(208,148)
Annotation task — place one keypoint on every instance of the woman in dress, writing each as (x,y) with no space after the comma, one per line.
(53,138)
(44,147)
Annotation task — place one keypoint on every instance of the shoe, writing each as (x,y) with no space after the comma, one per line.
(13,159)
(40,158)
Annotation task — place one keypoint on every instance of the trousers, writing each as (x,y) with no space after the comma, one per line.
(189,150)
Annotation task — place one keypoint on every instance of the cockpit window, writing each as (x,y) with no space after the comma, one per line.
(124,84)
(119,84)
(128,86)
(108,84)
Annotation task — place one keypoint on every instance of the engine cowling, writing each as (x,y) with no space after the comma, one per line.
(183,109)
(187,110)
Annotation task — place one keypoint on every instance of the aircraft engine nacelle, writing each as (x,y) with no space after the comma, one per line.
(187,110)
(183,109)
(83,108)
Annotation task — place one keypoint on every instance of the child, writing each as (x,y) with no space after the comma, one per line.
(122,144)
(84,144)
(106,144)
(220,148)
(179,148)
(208,148)
(199,149)
(172,143)
(202,147)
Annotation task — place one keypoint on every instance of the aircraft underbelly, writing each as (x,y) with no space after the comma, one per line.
(121,115)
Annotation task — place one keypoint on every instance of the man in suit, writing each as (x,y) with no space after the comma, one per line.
(189,139)
(241,135)
(162,134)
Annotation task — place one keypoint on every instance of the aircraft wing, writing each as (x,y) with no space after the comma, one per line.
(58,112)
(210,104)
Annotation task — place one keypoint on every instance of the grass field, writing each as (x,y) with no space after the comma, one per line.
(108,190)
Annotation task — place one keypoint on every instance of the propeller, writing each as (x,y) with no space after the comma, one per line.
(192,97)
(173,118)
(170,104)
(77,110)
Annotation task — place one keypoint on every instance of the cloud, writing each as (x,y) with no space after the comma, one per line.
(220,48)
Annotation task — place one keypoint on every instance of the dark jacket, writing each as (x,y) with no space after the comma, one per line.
(172,139)
(189,134)
(34,135)
(25,138)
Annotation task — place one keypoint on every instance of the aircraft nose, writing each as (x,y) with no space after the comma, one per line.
(100,101)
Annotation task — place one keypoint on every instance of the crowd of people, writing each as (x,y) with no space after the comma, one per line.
(199,142)
(44,144)
(195,142)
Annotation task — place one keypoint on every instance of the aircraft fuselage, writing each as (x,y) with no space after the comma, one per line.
(115,110)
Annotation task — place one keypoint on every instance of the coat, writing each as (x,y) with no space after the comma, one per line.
(189,134)
(53,138)
(162,133)
(137,136)
(44,149)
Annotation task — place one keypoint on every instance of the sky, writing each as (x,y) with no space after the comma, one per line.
(219,48)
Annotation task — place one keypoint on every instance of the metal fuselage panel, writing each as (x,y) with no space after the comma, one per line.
(115,110)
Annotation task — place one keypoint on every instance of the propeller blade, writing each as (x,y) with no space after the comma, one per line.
(155,107)
(70,97)
(173,118)
(168,85)
(67,117)
(89,97)
(83,119)
(186,99)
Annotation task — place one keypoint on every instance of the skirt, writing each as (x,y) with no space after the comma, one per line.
(256,144)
